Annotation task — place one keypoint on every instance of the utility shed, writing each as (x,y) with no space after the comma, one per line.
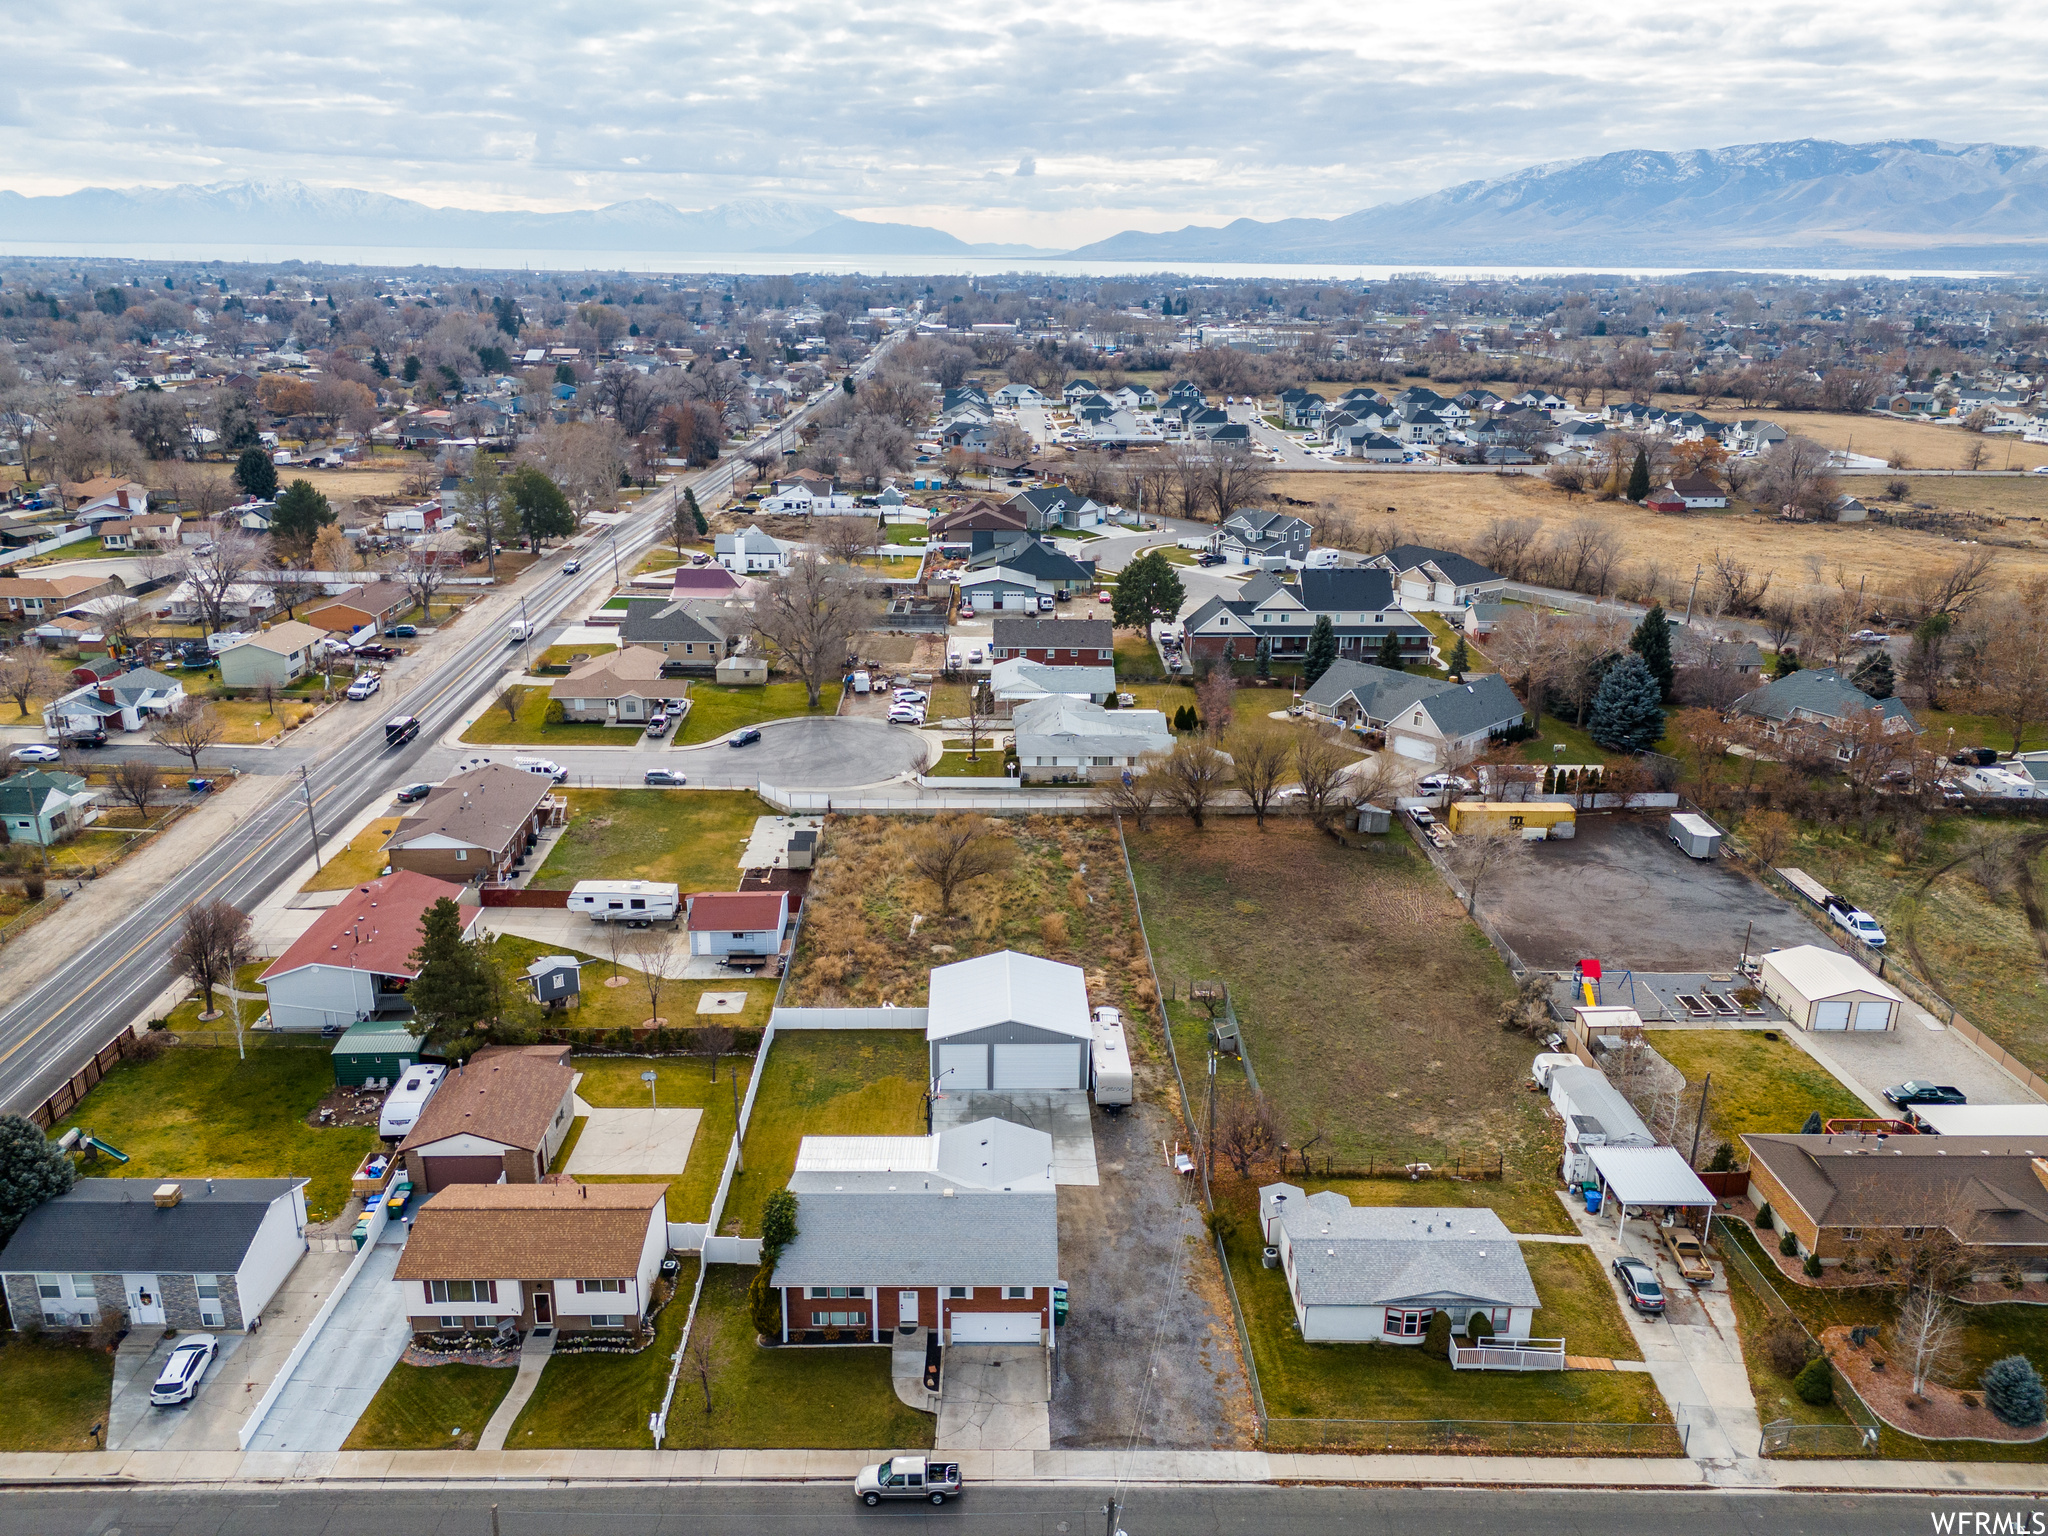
(375,1053)
(1009,1022)
(1822,989)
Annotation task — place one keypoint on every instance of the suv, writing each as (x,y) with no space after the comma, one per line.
(657,723)
(179,1380)
(1639,1284)
(365,685)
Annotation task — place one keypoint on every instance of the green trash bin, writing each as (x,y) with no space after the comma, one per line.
(362,1233)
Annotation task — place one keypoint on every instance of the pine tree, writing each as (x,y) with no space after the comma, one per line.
(255,474)
(2013,1393)
(1461,659)
(1788,663)
(1652,642)
(301,513)
(449,990)
(1874,676)
(696,512)
(1264,668)
(1322,651)
(32,1170)
(1639,476)
(1628,711)
(1390,652)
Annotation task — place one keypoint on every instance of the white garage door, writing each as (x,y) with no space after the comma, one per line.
(1873,1015)
(1830,1015)
(1025,1068)
(995,1327)
(968,1065)
(1414,746)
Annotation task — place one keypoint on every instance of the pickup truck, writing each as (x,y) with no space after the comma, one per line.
(908,1477)
(1857,923)
(1688,1255)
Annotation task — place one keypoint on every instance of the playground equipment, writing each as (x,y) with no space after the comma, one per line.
(1589,982)
(76,1140)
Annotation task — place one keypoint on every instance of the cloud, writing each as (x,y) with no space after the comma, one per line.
(1028,166)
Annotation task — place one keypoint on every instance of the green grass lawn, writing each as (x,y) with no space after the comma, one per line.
(52,1394)
(825,1083)
(360,859)
(689,836)
(602,1402)
(495,728)
(605,1009)
(613,1082)
(1137,659)
(955,765)
(1760,1086)
(1578,1303)
(198,1110)
(184,1019)
(570,655)
(894,567)
(431,1408)
(904,533)
(716,708)
(822,1399)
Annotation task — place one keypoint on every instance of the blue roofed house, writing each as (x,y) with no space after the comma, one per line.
(1822,704)
(1422,718)
(127,701)
(45,807)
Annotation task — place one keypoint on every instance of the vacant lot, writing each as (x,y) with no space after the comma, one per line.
(1761,1087)
(431,1408)
(52,1394)
(200,1110)
(716,708)
(691,837)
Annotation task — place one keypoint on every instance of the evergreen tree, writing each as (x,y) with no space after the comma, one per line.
(411,371)
(1322,651)
(1147,589)
(1788,663)
(449,990)
(778,1224)
(564,374)
(2013,1393)
(1628,711)
(764,1303)
(1639,476)
(1390,652)
(1461,659)
(1264,668)
(1652,642)
(544,512)
(301,513)
(1874,676)
(32,1170)
(255,474)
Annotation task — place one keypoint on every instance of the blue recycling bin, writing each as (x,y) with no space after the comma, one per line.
(1592,1200)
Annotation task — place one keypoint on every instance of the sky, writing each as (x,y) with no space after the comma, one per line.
(1012,121)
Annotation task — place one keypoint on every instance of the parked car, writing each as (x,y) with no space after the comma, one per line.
(1686,1252)
(1868,637)
(910,696)
(1639,1284)
(413,793)
(908,1477)
(906,717)
(1102,597)
(664,778)
(745,738)
(377,652)
(1440,783)
(402,631)
(967,610)
(365,685)
(179,1380)
(657,723)
(1422,817)
(1914,1091)
(35,753)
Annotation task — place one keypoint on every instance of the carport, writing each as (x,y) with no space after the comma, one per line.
(1819,989)
(1650,1180)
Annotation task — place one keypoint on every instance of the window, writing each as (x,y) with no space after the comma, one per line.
(607,1320)
(1404,1324)
(600,1287)
(1017,1292)
(462,1290)
(839,1319)
(50,1287)
(462,855)
(209,1287)
(81,1287)
(960,1292)
(1851,1234)
(1911,1233)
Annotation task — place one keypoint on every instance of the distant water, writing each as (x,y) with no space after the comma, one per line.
(399,258)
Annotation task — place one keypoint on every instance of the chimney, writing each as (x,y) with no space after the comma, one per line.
(106,693)
(168,1195)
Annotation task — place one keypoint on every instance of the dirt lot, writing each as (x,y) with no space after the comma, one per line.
(1633,900)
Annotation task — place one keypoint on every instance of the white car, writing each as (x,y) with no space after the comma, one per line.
(179,1380)
(901,716)
(910,696)
(365,685)
(36,754)
(1438,783)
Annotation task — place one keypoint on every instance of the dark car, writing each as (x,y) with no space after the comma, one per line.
(1639,1284)
(377,652)
(413,792)
(1917,1092)
(402,631)
(664,778)
(745,738)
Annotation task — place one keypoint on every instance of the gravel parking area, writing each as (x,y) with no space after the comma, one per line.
(1870,1061)
(1121,1242)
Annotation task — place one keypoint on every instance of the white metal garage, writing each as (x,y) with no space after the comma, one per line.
(963,1068)
(1831,1015)
(996,1327)
(1823,989)
(1874,1015)
(1032,1068)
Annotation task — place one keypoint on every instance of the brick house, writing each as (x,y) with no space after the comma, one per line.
(475,827)
(1359,603)
(41,597)
(1054,642)
(500,1115)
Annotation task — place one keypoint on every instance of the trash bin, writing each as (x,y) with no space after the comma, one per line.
(362,1232)
(1592,1200)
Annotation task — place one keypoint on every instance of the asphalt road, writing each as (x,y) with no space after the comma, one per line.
(719,1510)
(48,1032)
(825,753)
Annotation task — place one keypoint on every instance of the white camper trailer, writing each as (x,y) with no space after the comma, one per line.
(403,1104)
(638,902)
(1111,1060)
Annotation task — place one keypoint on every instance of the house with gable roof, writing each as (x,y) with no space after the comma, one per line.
(1429,578)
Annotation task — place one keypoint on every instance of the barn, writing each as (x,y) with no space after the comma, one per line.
(1822,989)
(1008,1023)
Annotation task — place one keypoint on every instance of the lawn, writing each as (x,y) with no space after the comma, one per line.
(247,722)
(1760,1086)
(904,533)
(955,765)
(199,1110)
(431,1408)
(601,1401)
(692,837)
(362,859)
(1578,1303)
(52,1394)
(530,728)
(570,655)
(606,1009)
(825,1083)
(683,1082)
(1137,658)
(893,567)
(718,708)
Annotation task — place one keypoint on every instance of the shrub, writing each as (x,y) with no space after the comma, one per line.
(1763,1217)
(778,1222)
(2012,1391)
(1788,1245)
(1787,1346)
(1723,1160)
(1437,1342)
(1812,1266)
(764,1303)
(32,886)
(1478,1326)
(554,714)
(1815,1382)
(1053,929)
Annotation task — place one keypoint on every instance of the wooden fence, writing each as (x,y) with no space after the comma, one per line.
(80,1083)
(496,896)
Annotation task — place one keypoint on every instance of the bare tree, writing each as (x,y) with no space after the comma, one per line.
(1798,477)
(1528,648)
(807,615)
(953,849)
(1192,776)
(422,575)
(1950,589)
(1233,476)
(1247,1131)
(26,674)
(845,540)
(714,1040)
(981,708)
(1260,757)
(1133,793)
(209,938)
(1485,854)
(189,730)
(135,783)
(1928,1334)
(212,570)
(700,1357)
(1319,765)
(653,948)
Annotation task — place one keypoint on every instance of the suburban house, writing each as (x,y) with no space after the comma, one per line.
(957,528)
(1010,1023)
(186,1253)
(1357,440)
(127,701)
(1697,648)
(156,532)
(1379,1272)
(106,498)
(499,1116)
(1835,1194)
(1054,642)
(44,806)
(1821,701)
(1438,578)
(42,597)
(750,551)
(573,1257)
(1054,506)
(375,604)
(240,601)
(1700,492)
(277,656)
(622,687)
(1482,619)
(747,923)
(958,1232)
(1018,681)
(1359,603)
(477,826)
(708,582)
(1061,737)
(355,961)
(1036,561)
(1249,536)
(1421,717)
(694,634)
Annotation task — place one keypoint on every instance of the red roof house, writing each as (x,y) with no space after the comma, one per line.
(355,962)
(737,922)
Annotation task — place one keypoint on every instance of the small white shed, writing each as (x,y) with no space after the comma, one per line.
(1821,989)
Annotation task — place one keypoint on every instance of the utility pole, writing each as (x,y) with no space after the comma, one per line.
(1209,1136)
(313,826)
(1705,1088)
(1114,1508)
(1697,568)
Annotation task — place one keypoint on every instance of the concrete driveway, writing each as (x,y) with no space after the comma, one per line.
(1063,1116)
(635,1141)
(809,753)
(1870,1061)
(993,1397)
(347,1363)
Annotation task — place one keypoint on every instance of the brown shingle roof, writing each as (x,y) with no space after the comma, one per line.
(634,672)
(530,1231)
(1983,1188)
(483,808)
(508,1097)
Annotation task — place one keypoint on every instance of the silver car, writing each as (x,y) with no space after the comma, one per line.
(908,1477)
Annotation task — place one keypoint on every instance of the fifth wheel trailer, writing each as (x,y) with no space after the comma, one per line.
(639,902)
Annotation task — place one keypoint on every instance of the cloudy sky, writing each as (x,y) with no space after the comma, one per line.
(1017,120)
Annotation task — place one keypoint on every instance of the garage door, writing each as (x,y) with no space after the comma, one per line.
(1873,1015)
(995,1327)
(1830,1015)
(443,1171)
(1024,1068)
(968,1065)
(1411,746)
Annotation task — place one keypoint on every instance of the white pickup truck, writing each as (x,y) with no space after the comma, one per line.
(1856,922)
(908,1477)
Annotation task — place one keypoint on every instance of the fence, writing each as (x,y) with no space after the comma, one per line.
(503,896)
(1478,1437)
(74,1089)
(1509,1355)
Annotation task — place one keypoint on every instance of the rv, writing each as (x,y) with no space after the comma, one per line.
(403,1104)
(638,902)
(1111,1059)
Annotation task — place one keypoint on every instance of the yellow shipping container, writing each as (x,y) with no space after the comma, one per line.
(1553,818)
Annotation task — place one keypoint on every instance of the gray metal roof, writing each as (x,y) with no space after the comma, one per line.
(113,1226)
(1349,1256)
(1007,988)
(923,1238)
